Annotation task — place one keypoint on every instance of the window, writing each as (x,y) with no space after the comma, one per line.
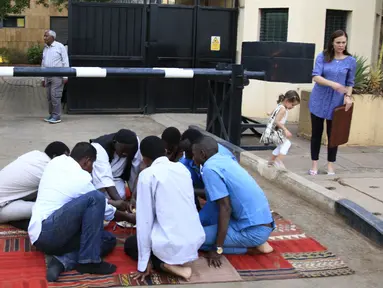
(274,24)
(14,22)
(335,20)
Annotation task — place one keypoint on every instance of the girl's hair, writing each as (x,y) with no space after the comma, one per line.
(329,52)
(291,96)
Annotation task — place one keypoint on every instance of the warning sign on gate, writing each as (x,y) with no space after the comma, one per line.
(215,44)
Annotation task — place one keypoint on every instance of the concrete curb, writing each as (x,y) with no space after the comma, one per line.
(329,201)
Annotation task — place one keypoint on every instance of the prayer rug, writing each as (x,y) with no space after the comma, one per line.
(295,255)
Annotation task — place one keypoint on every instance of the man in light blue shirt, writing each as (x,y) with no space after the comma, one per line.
(188,138)
(242,221)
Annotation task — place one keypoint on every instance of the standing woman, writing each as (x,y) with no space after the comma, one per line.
(334,75)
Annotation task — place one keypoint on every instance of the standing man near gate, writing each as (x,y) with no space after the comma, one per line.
(54,55)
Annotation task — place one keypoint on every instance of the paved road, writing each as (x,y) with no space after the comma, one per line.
(22,130)
(359,172)
(330,231)
(21,134)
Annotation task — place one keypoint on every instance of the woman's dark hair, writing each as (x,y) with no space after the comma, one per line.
(292,96)
(329,52)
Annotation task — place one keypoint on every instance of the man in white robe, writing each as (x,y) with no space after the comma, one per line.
(167,236)
(117,163)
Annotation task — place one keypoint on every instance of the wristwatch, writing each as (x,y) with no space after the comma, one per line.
(219,250)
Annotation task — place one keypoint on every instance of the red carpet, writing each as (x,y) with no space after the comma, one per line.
(296,256)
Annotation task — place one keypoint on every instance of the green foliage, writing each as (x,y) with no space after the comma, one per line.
(375,79)
(17,57)
(12,7)
(18,6)
(361,74)
(4,53)
(35,54)
(368,78)
(59,4)
(13,56)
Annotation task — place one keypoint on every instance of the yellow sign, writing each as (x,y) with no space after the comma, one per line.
(215,44)
(21,22)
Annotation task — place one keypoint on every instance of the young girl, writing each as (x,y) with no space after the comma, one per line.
(285,102)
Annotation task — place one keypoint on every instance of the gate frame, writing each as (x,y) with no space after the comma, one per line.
(146,101)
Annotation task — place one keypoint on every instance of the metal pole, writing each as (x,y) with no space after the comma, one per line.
(235,110)
(97,72)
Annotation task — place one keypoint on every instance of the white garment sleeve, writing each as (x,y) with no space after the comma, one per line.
(42,62)
(145,218)
(102,171)
(109,211)
(136,163)
(64,56)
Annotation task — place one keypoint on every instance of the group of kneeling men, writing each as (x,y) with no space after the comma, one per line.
(63,197)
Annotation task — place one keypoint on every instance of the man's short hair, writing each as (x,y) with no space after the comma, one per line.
(171,136)
(83,150)
(56,148)
(192,135)
(52,33)
(152,147)
(126,136)
(207,143)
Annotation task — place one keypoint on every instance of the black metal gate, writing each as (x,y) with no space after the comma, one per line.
(146,35)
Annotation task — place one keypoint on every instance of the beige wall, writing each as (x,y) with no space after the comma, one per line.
(37,20)
(306,24)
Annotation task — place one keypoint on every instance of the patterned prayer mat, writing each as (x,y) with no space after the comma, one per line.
(295,255)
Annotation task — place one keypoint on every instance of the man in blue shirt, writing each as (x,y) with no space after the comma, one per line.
(243,220)
(188,138)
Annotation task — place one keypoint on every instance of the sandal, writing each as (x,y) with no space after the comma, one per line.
(313,172)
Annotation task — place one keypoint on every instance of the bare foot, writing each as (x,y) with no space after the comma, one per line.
(181,271)
(265,248)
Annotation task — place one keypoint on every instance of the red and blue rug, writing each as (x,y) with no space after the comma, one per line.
(295,255)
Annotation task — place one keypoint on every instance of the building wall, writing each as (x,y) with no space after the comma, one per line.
(37,20)
(306,24)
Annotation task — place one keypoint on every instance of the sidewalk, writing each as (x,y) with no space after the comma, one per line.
(22,129)
(359,171)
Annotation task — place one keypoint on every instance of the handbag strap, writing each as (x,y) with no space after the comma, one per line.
(275,112)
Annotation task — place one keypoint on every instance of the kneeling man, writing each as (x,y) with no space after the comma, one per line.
(169,232)
(68,217)
(19,181)
(243,220)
